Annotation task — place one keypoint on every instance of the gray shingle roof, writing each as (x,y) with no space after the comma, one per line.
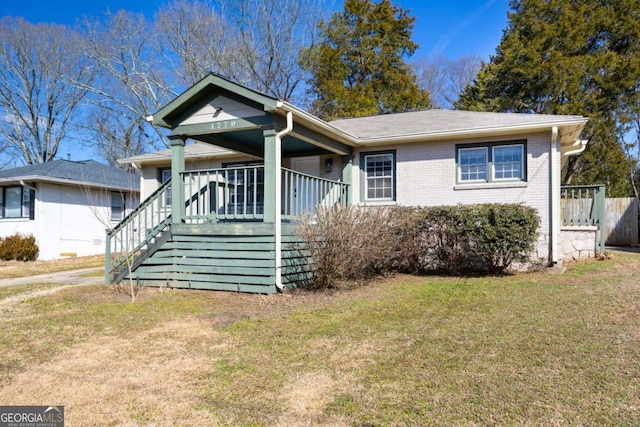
(197,150)
(87,172)
(440,121)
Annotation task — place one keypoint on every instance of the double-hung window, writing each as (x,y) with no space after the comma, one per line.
(379,176)
(17,202)
(165,175)
(491,162)
(117,206)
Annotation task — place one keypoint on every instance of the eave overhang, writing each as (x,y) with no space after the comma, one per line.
(32,179)
(328,137)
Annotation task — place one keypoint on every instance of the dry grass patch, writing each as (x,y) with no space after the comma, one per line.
(12,269)
(533,349)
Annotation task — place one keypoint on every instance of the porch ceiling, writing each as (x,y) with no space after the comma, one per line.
(251,141)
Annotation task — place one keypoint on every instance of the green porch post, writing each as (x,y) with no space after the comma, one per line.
(272,163)
(347,177)
(177,188)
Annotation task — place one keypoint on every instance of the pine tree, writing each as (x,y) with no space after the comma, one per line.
(358,69)
(569,57)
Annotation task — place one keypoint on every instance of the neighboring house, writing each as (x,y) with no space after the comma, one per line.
(66,205)
(257,163)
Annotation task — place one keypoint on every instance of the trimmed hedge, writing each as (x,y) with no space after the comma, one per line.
(19,247)
(483,238)
(354,243)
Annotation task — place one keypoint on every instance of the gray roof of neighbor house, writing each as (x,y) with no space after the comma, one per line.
(86,172)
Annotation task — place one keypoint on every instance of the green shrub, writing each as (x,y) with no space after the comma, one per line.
(19,247)
(356,243)
(478,238)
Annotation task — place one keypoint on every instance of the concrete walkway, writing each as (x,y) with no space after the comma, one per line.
(76,277)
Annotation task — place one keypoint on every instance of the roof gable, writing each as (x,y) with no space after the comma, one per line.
(221,108)
(202,98)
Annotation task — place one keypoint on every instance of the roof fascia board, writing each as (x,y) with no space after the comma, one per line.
(319,125)
(314,123)
(473,132)
(72,183)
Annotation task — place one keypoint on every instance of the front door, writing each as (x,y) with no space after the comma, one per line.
(305,190)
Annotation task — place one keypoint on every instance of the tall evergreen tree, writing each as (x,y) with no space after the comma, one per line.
(569,57)
(358,68)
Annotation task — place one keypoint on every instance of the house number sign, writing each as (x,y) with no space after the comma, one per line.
(223,124)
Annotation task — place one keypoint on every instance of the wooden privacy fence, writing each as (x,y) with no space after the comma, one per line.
(621,228)
(618,219)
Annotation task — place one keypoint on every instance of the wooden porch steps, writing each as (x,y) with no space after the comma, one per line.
(224,256)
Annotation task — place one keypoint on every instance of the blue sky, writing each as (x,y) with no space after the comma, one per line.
(452,28)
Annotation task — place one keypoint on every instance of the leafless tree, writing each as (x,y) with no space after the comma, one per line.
(99,202)
(131,84)
(445,78)
(38,102)
(271,35)
(194,39)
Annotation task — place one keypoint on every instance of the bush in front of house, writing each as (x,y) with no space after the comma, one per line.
(480,238)
(356,243)
(346,243)
(19,247)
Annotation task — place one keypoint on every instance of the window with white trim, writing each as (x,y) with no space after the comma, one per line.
(493,162)
(379,176)
(508,162)
(472,163)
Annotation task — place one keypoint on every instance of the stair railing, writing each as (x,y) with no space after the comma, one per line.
(137,230)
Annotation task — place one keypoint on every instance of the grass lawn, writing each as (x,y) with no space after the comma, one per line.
(11,269)
(529,349)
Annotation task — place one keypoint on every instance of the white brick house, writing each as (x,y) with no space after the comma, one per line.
(422,158)
(66,205)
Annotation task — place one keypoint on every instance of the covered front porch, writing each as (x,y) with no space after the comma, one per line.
(230,228)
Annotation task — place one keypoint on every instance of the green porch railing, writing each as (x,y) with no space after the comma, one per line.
(585,205)
(237,194)
(303,194)
(137,230)
(212,195)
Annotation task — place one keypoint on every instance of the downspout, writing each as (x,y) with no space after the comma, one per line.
(278,202)
(554,214)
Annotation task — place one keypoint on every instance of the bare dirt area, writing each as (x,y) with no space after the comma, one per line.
(184,358)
